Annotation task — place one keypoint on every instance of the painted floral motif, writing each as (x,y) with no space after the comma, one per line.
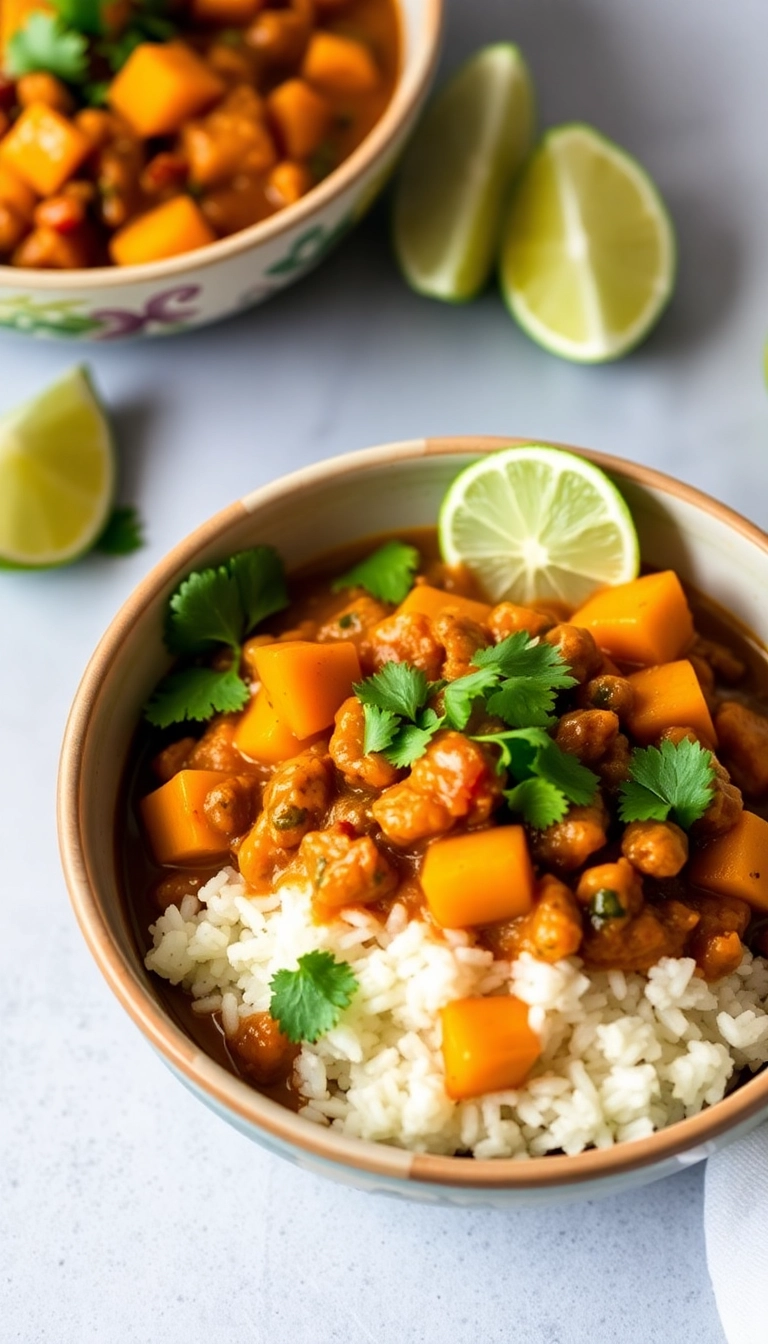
(69,318)
(309,248)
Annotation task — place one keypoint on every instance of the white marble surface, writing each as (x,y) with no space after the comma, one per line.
(127,1212)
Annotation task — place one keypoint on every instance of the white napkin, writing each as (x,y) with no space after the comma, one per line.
(736,1231)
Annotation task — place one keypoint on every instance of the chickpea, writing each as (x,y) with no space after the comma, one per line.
(12,228)
(613,769)
(461,638)
(230,805)
(607,692)
(288,182)
(45,249)
(63,213)
(618,880)
(406,638)
(172,759)
(43,88)
(371,771)
(656,848)
(96,125)
(743,738)
(577,648)
(507,618)
(725,809)
(587,733)
(569,843)
(279,36)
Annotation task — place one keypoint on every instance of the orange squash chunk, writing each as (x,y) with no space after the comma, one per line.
(339,64)
(178,829)
(736,864)
(425,601)
(669,697)
(478,878)
(161,86)
(488,1045)
(263,736)
(300,116)
(646,621)
(172,228)
(44,148)
(307,682)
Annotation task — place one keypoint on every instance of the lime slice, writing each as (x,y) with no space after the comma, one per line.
(534,523)
(57,475)
(457,171)
(588,249)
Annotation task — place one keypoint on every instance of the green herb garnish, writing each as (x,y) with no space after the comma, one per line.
(523,675)
(530,754)
(307,1003)
(398,721)
(386,574)
(123,532)
(214,607)
(605,905)
(45,43)
(673,780)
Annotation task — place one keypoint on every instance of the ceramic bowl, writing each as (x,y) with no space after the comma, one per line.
(303,515)
(165,297)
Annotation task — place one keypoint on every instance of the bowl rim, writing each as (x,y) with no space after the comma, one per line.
(403,103)
(687,1140)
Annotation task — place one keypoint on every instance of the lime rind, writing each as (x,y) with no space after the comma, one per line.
(57,475)
(602,345)
(535,523)
(456,174)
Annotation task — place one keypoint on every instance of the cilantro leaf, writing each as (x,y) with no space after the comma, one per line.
(222,605)
(381,726)
(459,696)
(409,743)
(387,573)
(398,687)
(45,44)
(578,783)
(522,703)
(530,673)
(670,780)
(205,610)
(196,693)
(540,802)
(307,1003)
(260,579)
(123,532)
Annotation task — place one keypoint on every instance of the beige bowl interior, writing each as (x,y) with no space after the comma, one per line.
(315,510)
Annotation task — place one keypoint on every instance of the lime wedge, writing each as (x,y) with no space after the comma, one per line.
(456,174)
(57,475)
(533,523)
(588,249)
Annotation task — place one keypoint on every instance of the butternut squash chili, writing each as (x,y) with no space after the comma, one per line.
(140,129)
(479,764)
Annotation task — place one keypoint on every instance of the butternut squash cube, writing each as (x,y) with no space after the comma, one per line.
(488,1045)
(161,86)
(172,228)
(736,864)
(263,736)
(307,682)
(300,116)
(339,64)
(177,827)
(44,148)
(425,601)
(669,697)
(478,878)
(646,621)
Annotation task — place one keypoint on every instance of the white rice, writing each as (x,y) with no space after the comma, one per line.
(623,1054)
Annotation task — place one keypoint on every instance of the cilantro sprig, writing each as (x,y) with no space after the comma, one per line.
(210,608)
(548,779)
(67,43)
(674,780)
(517,680)
(123,532)
(386,574)
(46,43)
(398,720)
(307,1003)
